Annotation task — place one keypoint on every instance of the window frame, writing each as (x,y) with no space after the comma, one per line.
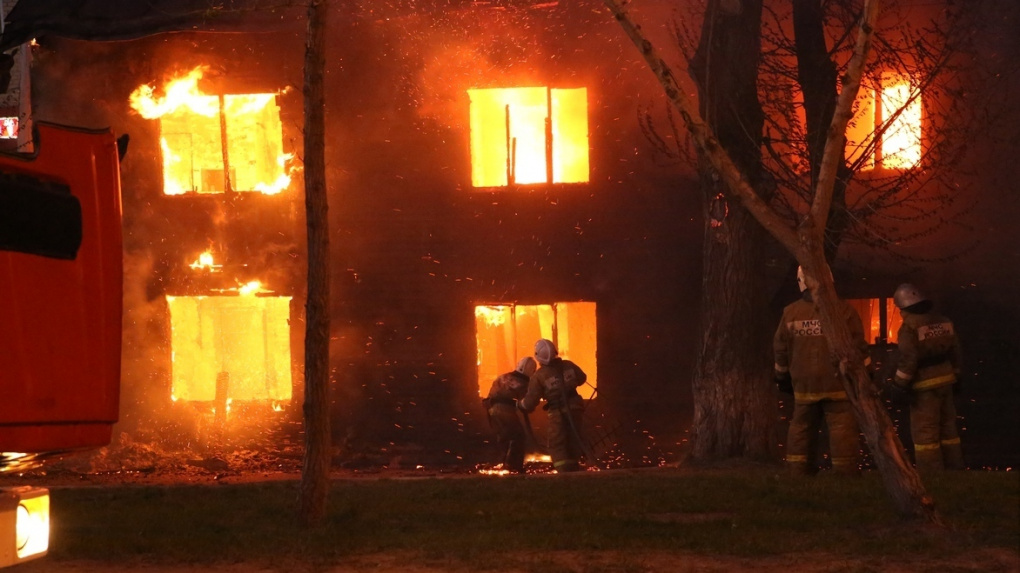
(552,121)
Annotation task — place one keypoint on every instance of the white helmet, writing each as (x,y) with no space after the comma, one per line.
(802,279)
(907,295)
(527,366)
(545,351)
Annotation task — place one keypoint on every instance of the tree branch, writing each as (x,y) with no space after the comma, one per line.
(703,136)
(844,112)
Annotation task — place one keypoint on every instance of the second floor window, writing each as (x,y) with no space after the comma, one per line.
(885,132)
(523,136)
(216,143)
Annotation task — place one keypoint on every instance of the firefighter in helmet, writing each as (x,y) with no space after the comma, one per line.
(928,368)
(501,408)
(556,382)
(805,368)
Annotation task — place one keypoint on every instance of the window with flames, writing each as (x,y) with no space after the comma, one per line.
(506,333)
(216,143)
(881,319)
(885,132)
(530,135)
(231,344)
(241,341)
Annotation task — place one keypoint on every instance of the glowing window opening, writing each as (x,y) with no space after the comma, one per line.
(891,107)
(878,320)
(505,333)
(245,336)
(528,135)
(216,143)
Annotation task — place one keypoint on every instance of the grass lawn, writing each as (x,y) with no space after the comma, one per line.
(473,522)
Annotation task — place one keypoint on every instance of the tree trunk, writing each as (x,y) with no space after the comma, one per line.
(315,471)
(734,404)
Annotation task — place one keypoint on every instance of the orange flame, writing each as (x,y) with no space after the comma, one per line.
(205,261)
(201,135)
(180,93)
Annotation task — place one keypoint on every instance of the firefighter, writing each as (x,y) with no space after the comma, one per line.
(556,382)
(804,367)
(928,369)
(501,408)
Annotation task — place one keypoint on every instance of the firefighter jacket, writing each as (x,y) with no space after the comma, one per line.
(507,388)
(929,351)
(557,383)
(802,351)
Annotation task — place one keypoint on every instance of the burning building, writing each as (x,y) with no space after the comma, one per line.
(490,183)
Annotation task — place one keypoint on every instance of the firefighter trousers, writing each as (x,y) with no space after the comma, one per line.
(933,429)
(563,447)
(509,435)
(802,439)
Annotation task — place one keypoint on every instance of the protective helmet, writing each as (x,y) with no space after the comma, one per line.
(802,279)
(527,366)
(545,351)
(907,295)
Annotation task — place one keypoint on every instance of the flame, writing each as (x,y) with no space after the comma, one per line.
(250,288)
(901,142)
(179,93)
(170,162)
(520,130)
(201,135)
(205,261)
(492,315)
(283,181)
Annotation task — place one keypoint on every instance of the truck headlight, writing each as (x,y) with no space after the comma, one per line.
(24,524)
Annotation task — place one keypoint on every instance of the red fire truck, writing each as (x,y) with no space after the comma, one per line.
(60,314)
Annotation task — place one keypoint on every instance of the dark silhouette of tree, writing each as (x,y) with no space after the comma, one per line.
(734,397)
(315,472)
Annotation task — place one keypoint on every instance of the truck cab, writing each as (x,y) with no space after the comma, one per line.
(60,314)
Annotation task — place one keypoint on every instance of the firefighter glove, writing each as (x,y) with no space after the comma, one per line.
(785,382)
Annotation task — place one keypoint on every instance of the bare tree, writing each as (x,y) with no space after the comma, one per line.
(806,242)
(315,471)
(734,398)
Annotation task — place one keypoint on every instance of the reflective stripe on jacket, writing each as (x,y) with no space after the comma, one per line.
(801,349)
(929,351)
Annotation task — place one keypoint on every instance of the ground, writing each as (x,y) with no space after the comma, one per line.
(153,470)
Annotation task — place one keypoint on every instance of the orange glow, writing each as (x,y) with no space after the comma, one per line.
(205,262)
(246,337)
(191,128)
(900,144)
(869,310)
(249,289)
(501,343)
(509,136)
